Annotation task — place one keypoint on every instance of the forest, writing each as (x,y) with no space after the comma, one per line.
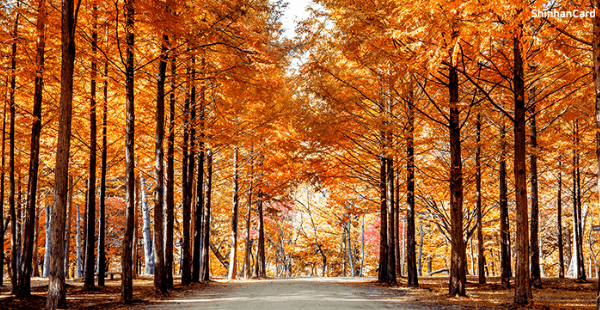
(186,141)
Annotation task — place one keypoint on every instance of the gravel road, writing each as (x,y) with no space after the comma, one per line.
(290,294)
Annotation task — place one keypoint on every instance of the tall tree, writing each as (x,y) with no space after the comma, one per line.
(205,266)
(160,281)
(234,218)
(170,178)
(410,196)
(90,241)
(480,246)
(56,288)
(26,262)
(11,156)
(127,254)
(102,215)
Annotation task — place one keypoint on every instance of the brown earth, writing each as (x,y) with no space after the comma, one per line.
(307,293)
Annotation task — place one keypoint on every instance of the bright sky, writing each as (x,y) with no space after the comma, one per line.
(295,11)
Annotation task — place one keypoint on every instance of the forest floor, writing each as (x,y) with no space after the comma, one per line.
(311,293)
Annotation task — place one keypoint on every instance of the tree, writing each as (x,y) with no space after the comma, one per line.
(56,288)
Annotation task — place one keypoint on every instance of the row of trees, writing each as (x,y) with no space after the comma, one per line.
(426,102)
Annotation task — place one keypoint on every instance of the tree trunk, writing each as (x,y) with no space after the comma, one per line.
(147,232)
(261,270)
(420,250)
(522,280)
(362,249)
(127,255)
(160,280)
(170,179)
(56,288)
(578,220)
(46,271)
(90,235)
(234,219)
(596,60)
(383,247)
(480,245)
(79,269)
(391,263)
(2,226)
(102,215)
(68,230)
(186,276)
(205,270)
(412,279)
(536,279)
(199,209)
(349,247)
(24,277)
(458,256)
(561,260)
(247,248)
(11,197)
(505,264)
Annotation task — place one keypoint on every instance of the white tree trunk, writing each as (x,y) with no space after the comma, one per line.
(79,271)
(148,250)
(47,244)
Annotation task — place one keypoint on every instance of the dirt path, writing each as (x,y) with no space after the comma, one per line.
(291,294)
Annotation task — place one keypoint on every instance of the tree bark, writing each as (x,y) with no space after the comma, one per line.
(147,232)
(79,268)
(234,219)
(90,235)
(205,270)
(247,248)
(102,215)
(505,264)
(383,247)
(410,198)
(24,277)
(56,288)
(561,260)
(68,230)
(170,178)
(522,280)
(596,60)
(578,220)
(536,279)
(391,263)
(261,270)
(127,255)
(199,209)
(186,276)
(458,256)
(480,246)
(160,280)
(11,160)
(2,226)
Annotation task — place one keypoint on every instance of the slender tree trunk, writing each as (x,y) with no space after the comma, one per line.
(420,265)
(46,271)
(480,245)
(581,276)
(90,243)
(56,288)
(458,256)
(410,198)
(186,278)
(26,262)
(205,270)
(362,250)
(522,280)
(2,226)
(199,209)
(561,260)
(234,219)
(536,279)
(68,230)
(383,247)
(247,248)
(596,60)
(36,267)
(11,197)
(391,263)
(261,270)
(349,247)
(102,215)
(160,280)
(79,269)
(147,232)
(505,264)
(170,178)
(127,255)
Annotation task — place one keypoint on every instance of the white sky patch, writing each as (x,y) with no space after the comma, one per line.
(295,12)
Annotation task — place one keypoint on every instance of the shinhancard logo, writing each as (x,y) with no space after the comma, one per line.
(563,14)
